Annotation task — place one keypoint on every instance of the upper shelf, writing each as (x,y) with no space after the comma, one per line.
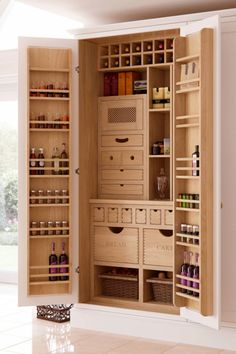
(187,58)
(49,70)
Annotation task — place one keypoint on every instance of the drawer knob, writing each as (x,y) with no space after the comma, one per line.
(124,140)
(132,157)
(111,157)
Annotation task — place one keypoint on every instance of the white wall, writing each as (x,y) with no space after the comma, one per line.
(8,75)
(229,176)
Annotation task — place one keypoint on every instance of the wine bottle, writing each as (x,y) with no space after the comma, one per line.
(63,259)
(41,162)
(190,273)
(53,261)
(196,275)
(195,163)
(33,163)
(64,155)
(184,270)
(55,163)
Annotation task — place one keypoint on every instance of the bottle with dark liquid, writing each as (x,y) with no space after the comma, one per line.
(63,260)
(196,275)
(55,163)
(195,163)
(190,273)
(33,163)
(64,156)
(41,162)
(53,261)
(184,271)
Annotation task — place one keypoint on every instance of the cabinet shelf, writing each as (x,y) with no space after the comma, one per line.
(187,58)
(187,288)
(187,244)
(49,176)
(187,278)
(48,228)
(49,266)
(188,296)
(188,236)
(187,159)
(188,177)
(57,282)
(49,205)
(190,116)
(48,236)
(49,98)
(179,126)
(35,68)
(58,91)
(188,201)
(159,110)
(48,274)
(49,130)
(187,90)
(158,156)
(187,81)
(187,209)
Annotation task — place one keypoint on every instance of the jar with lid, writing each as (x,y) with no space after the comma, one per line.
(58,226)
(50,225)
(183,230)
(32,195)
(57,196)
(196,233)
(65,196)
(49,193)
(34,225)
(64,224)
(40,194)
(42,225)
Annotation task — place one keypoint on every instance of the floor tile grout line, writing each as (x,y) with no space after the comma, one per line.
(14,345)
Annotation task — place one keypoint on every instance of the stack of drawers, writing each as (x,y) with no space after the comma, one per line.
(122,172)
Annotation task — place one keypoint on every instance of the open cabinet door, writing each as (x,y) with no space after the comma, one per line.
(48,185)
(197,122)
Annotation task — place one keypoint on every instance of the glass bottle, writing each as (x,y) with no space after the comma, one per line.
(196,275)
(63,260)
(162,185)
(53,261)
(183,271)
(41,162)
(195,162)
(64,156)
(33,163)
(55,162)
(190,273)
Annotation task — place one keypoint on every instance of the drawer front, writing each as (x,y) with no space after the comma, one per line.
(116,244)
(111,158)
(141,216)
(122,174)
(132,158)
(168,217)
(122,189)
(98,214)
(112,214)
(122,140)
(155,216)
(121,114)
(157,248)
(126,215)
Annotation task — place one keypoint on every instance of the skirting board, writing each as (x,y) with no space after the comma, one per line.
(151,326)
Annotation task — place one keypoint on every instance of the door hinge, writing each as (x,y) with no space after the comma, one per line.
(77,171)
(77,270)
(77,69)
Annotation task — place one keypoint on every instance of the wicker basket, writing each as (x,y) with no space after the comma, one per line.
(162,290)
(54,313)
(119,286)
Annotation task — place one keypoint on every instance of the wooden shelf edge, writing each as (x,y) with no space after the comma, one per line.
(187,58)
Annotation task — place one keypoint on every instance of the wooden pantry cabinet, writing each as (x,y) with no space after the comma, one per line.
(124,243)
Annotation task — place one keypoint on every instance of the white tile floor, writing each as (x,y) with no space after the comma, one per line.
(22,333)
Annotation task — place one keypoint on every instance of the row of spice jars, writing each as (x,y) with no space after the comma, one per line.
(189,230)
(49,196)
(189,198)
(49,85)
(47,228)
(49,121)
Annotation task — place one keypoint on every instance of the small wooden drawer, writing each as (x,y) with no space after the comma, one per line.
(116,244)
(112,215)
(122,174)
(121,189)
(122,140)
(158,247)
(155,216)
(98,214)
(132,158)
(126,215)
(141,216)
(121,114)
(168,217)
(111,158)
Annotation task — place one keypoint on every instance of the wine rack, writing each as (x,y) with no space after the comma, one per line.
(135,54)
(49,126)
(193,126)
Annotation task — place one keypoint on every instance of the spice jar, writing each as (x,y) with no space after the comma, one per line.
(196,233)
(64,194)
(49,194)
(57,196)
(33,194)
(40,194)
(64,224)
(58,225)
(183,230)
(34,225)
(50,225)
(42,225)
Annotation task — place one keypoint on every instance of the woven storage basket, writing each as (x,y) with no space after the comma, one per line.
(54,313)
(162,290)
(119,286)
